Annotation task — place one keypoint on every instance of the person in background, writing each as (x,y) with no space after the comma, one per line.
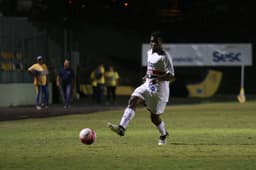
(66,82)
(94,85)
(39,71)
(98,76)
(111,78)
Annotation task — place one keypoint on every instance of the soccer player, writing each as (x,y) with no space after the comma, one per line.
(154,92)
(40,71)
(65,81)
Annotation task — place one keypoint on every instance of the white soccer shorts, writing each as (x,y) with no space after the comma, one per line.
(153,97)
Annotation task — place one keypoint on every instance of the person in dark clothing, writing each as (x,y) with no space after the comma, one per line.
(97,77)
(65,81)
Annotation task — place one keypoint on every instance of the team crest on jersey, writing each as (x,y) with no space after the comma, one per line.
(152,88)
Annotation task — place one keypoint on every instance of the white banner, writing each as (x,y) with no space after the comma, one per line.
(206,54)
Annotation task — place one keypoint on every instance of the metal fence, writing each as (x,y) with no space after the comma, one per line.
(20,43)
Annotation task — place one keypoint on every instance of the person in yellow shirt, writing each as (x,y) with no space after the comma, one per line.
(40,73)
(111,78)
(94,85)
(98,79)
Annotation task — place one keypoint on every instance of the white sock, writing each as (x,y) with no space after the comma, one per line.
(127,116)
(161,128)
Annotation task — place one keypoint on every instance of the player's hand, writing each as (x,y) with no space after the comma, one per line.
(172,80)
(144,78)
(45,72)
(154,80)
(34,72)
(57,84)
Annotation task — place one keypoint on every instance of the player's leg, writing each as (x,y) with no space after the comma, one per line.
(160,125)
(64,94)
(97,94)
(101,93)
(94,93)
(114,93)
(156,110)
(111,94)
(108,93)
(38,89)
(46,95)
(137,97)
(128,114)
(68,95)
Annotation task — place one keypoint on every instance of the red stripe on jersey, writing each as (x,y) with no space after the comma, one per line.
(155,72)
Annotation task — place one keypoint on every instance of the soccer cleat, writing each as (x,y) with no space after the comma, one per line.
(162,139)
(117,129)
(67,107)
(45,106)
(38,107)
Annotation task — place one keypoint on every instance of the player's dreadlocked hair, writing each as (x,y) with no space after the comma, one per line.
(157,35)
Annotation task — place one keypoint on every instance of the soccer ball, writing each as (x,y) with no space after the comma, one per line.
(87,136)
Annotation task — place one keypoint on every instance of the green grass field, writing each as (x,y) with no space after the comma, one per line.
(219,136)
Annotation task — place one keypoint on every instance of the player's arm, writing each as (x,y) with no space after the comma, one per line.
(166,77)
(169,75)
(58,81)
(144,78)
(32,71)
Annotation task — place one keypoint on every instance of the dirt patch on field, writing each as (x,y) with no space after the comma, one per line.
(14,113)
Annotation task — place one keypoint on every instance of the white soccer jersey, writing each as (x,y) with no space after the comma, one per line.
(158,64)
(156,95)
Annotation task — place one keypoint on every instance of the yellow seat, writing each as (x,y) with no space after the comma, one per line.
(6,66)
(6,55)
(19,55)
(120,90)
(86,89)
(124,90)
(207,87)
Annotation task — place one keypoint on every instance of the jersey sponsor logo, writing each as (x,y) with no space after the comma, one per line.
(187,59)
